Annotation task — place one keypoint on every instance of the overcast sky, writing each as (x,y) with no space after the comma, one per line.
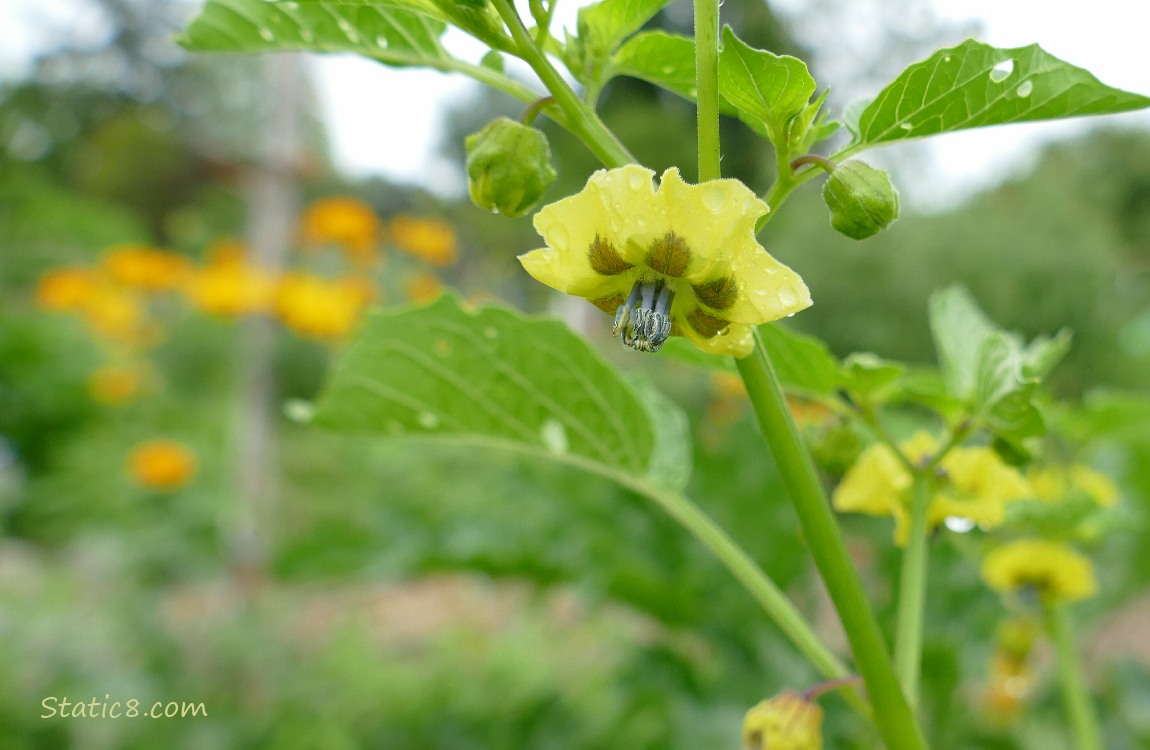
(393,131)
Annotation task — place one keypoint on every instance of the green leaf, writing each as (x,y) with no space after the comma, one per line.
(998,369)
(975,85)
(495,378)
(802,362)
(1041,356)
(766,89)
(868,377)
(390,33)
(605,24)
(959,328)
(666,60)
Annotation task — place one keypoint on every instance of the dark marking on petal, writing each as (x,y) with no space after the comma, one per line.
(669,255)
(609,304)
(707,326)
(718,294)
(605,259)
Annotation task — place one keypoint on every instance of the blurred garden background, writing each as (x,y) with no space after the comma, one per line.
(180,263)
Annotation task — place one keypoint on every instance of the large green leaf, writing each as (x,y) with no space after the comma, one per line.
(495,378)
(476,17)
(666,60)
(975,85)
(765,88)
(392,33)
(960,328)
(605,24)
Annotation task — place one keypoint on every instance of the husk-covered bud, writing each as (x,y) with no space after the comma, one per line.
(508,167)
(861,198)
(789,721)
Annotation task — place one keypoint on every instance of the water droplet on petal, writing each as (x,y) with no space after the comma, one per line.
(554,436)
(267,35)
(427,420)
(637,180)
(787,297)
(1001,71)
(714,197)
(1025,88)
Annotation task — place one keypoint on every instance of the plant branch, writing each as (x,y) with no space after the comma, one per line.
(896,723)
(912,590)
(707,87)
(1079,709)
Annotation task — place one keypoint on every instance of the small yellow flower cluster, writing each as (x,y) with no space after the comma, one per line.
(1053,570)
(115,384)
(321,308)
(161,465)
(1054,484)
(976,485)
(229,284)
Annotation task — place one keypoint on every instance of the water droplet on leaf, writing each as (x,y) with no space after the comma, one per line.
(1025,88)
(427,420)
(267,35)
(1001,71)
(554,436)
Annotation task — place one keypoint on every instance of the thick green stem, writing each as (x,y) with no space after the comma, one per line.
(912,592)
(1079,708)
(896,723)
(707,87)
(581,120)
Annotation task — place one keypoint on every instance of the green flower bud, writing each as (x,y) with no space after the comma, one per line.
(508,167)
(862,200)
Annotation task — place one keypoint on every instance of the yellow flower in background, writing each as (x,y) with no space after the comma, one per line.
(321,308)
(786,722)
(1058,573)
(682,260)
(431,240)
(422,287)
(1053,484)
(119,315)
(67,289)
(228,285)
(145,268)
(346,222)
(115,384)
(977,485)
(163,465)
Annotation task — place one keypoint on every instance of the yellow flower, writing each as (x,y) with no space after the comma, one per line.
(161,464)
(1054,483)
(431,240)
(66,289)
(229,285)
(976,485)
(682,260)
(423,287)
(119,315)
(1057,572)
(115,384)
(786,722)
(344,221)
(321,308)
(145,268)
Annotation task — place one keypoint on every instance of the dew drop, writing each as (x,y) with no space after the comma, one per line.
(1001,71)
(381,41)
(267,35)
(905,125)
(427,420)
(306,35)
(490,333)
(637,180)
(958,524)
(946,59)
(714,197)
(299,411)
(787,297)
(554,436)
(348,31)
(668,70)
(1025,88)
(790,315)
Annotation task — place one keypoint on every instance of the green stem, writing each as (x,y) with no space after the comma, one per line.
(912,591)
(707,87)
(896,723)
(1079,709)
(581,120)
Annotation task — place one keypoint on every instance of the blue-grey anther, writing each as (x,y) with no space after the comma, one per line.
(644,320)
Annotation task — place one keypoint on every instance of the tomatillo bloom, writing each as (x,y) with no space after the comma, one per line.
(976,485)
(788,721)
(1057,572)
(680,260)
